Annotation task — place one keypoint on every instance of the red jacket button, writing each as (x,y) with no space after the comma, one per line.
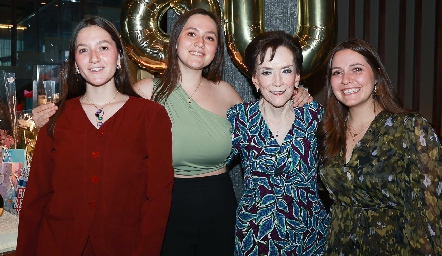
(94,179)
(101,133)
(92,204)
(95,154)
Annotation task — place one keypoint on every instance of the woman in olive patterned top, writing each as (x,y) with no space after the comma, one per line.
(381,164)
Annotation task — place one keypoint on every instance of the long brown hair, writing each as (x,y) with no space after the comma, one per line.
(73,85)
(332,129)
(172,74)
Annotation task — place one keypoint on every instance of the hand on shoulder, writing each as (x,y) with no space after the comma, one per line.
(301,96)
(144,88)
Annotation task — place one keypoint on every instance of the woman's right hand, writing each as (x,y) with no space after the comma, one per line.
(42,113)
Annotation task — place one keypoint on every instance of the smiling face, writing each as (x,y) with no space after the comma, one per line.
(352,79)
(197,42)
(276,79)
(96,56)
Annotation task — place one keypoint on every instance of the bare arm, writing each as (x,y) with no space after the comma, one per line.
(144,88)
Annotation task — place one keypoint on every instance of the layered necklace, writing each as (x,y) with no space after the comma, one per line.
(100,112)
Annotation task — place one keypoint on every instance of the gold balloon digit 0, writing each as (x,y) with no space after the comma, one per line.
(146,43)
(244,19)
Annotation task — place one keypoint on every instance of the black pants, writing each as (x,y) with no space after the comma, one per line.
(202,217)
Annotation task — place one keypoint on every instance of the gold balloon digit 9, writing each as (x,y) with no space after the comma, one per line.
(244,19)
(147,44)
(145,41)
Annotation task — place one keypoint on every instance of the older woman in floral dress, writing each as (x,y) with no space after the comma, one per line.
(280,212)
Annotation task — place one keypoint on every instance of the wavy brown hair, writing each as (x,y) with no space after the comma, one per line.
(172,75)
(332,129)
(73,85)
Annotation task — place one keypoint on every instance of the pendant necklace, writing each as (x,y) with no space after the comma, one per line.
(100,113)
(280,127)
(276,135)
(277,131)
(353,133)
(189,100)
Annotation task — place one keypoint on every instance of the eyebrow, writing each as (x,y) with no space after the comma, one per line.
(351,65)
(209,32)
(99,42)
(283,67)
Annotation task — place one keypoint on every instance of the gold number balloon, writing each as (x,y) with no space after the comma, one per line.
(145,41)
(244,19)
(147,44)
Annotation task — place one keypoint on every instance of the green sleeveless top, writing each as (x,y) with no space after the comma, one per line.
(201,140)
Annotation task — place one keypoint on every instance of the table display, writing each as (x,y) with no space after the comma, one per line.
(8,232)
(17,140)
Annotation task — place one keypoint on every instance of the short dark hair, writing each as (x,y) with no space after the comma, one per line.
(257,49)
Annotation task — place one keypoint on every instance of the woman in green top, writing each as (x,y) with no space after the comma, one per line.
(381,164)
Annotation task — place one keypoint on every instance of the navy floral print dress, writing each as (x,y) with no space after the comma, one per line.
(387,198)
(280,212)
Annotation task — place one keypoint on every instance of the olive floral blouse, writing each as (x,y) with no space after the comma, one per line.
(387,197)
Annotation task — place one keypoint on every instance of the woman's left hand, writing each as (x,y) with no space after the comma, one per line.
(301,97)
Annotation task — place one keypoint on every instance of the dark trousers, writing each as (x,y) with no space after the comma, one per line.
(202,217)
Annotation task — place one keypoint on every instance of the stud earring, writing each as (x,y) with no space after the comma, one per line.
(118,66)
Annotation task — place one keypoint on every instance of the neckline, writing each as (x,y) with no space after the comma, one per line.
(371,128)
(109,119)
(272,137)
(99,114)
(185,97)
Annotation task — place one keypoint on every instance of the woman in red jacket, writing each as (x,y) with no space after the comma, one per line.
(101,175)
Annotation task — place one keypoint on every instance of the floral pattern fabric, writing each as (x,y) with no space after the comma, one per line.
(387,197)
(280,212)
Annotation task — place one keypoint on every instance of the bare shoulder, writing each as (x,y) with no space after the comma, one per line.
(217,97)
(227,91)
(144,88)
